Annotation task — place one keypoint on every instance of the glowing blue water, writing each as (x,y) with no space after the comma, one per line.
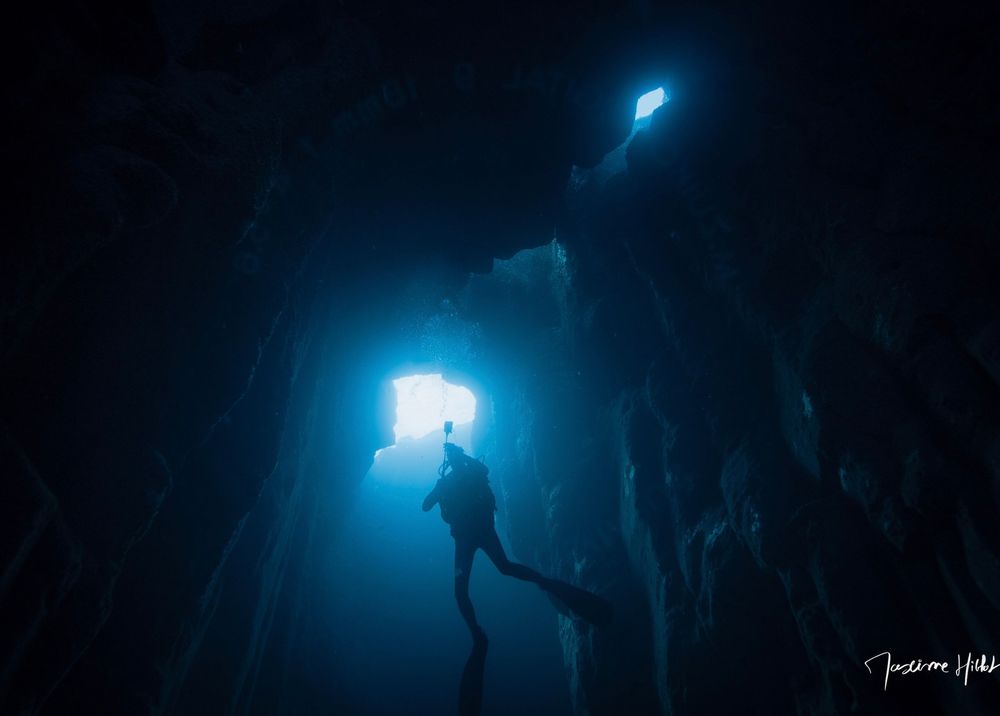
(424,402)
(648,103)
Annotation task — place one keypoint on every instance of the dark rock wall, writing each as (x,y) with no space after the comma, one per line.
(751,393)
(555,463)
(790,331)
(783,322)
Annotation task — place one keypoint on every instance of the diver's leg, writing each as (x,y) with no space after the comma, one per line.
(494,550)
(590,607)
(465,551)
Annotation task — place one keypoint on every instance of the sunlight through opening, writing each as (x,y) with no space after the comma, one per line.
(649,102)
(424,402)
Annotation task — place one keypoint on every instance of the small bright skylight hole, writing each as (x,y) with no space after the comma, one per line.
(648,103)
(424,402)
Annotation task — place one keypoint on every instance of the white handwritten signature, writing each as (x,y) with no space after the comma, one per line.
(962,671)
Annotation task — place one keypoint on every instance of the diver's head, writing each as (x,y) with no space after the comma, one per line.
(451,450)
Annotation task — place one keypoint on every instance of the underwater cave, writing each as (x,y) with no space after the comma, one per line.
(704,294)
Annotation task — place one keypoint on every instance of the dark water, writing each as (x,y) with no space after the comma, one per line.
(401,644)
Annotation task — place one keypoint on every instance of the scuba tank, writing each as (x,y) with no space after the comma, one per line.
(465,494)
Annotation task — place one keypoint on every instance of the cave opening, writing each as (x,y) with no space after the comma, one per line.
(650,101)
(425,402)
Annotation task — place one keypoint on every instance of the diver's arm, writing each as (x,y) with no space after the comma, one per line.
(432,498)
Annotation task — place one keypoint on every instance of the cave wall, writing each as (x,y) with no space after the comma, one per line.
(551,455)
(779,315)
(785,325)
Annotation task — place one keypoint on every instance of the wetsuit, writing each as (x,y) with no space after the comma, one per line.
(468,504)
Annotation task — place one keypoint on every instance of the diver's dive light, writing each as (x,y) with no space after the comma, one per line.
(449,427)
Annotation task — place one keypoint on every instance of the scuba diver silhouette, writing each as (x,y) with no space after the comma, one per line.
(467,504)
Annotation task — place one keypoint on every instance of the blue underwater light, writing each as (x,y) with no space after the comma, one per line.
(424,402)
(648,103)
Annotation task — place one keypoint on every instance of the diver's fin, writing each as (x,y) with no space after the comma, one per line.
(470,691)
(586,605)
